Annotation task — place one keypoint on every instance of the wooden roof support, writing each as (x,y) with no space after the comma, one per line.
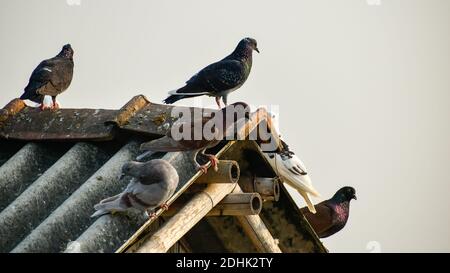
(194,210)
(258,233)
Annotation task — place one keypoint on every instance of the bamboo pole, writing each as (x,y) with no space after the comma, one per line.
(228,171)
(191,213)
(268,188)
(258,233)
(232,205)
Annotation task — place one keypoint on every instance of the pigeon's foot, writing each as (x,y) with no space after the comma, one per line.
(202,168)
(55,106)
(214,162)
(151,214)
(164,206)
(44,107)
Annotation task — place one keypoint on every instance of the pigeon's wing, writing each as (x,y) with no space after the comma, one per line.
(220,76)
(40,79)
(223,75)
(111,204)
(153,194)
(322,220)
(293,172)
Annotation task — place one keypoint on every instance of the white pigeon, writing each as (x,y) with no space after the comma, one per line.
(291,170)
(152,184)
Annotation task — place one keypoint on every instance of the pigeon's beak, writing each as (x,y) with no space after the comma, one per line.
(257,50)
(354,197)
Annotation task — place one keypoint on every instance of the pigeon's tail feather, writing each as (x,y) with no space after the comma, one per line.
(173,98)
(30,94)
(182,93)
(308,201)
(303,183)
(99,213)
(144,155)
(108,205)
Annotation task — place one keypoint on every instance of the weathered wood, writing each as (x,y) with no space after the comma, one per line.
(228,172)
(191,213)
(232,205)
(268,188)
(258,233)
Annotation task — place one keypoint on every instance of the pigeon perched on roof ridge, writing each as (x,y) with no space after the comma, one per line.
(332,214)
(51,77)
(152,184)
(170,143)
(220,78)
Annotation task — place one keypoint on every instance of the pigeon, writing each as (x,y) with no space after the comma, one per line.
(293,172)
(332,214)
(152,184)
(51,77)
(220,78)
(225,118)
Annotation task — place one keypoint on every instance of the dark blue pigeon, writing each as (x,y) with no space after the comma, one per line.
(51,77)
(220,78)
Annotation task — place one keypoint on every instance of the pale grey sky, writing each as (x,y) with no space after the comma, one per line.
(363,89)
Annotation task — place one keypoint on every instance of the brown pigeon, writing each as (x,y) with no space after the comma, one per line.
(332,214)
(51,77)
(225,118)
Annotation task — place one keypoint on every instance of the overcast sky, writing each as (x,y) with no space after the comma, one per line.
(363,88)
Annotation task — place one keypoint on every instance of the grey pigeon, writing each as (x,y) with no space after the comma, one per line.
(220,78)
(152,184)
(332,214)
(51,77)
(225,118)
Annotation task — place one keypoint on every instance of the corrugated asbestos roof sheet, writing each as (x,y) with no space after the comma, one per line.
(54,166)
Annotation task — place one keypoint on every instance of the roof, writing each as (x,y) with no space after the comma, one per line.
(54,166)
